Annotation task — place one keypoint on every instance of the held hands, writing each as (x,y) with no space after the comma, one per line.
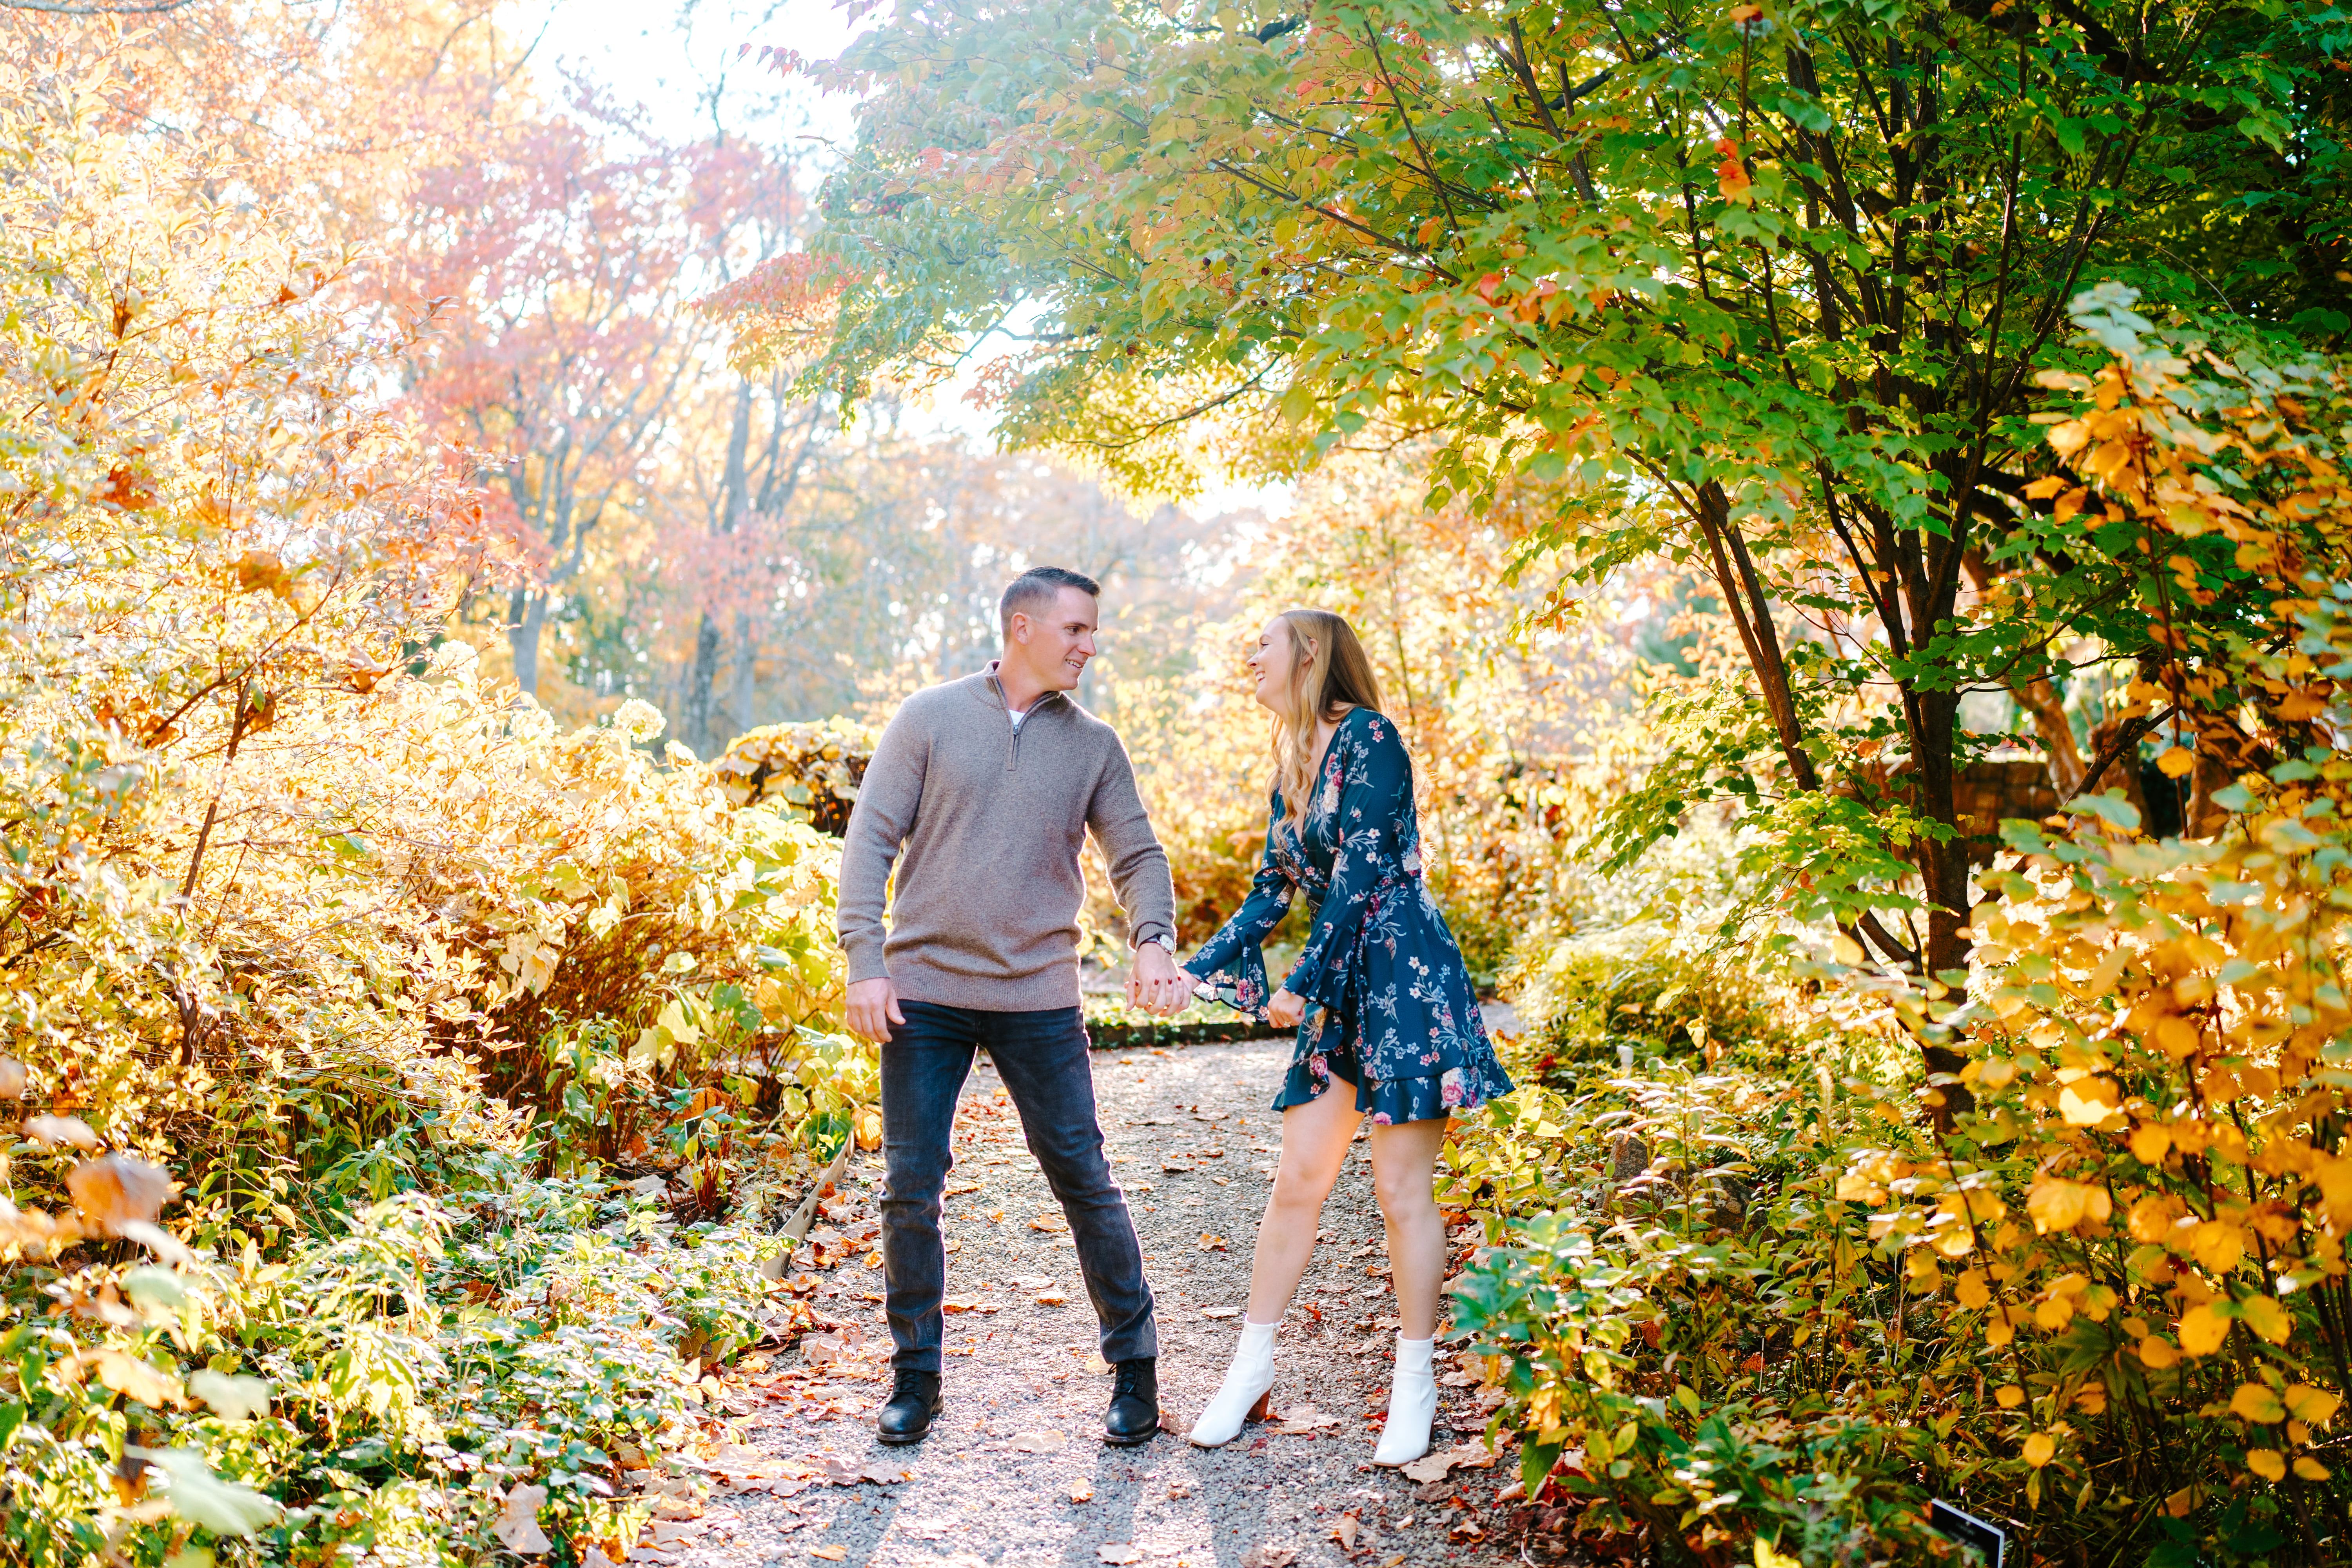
(1285,1010)
(873,1008)
(1154,985)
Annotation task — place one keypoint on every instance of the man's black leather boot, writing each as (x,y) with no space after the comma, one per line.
(1134,1415)
(914,1400)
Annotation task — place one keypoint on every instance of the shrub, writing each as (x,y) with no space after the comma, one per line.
(810,770)
(385,970)
(2094,1281)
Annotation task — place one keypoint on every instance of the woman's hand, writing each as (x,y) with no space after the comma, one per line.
(1285,1010)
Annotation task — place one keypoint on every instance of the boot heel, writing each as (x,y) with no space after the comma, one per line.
(1264,1409)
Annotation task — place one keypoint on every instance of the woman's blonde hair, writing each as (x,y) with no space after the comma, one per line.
(1330,676)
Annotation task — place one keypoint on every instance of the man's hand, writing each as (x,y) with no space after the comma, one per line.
(873,1008)
(1285,1011)
(1154,984)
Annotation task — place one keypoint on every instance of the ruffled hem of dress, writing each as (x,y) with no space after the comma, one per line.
(1453,1093)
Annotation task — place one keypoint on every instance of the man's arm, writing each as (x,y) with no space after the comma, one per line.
(886,801)
(1140,880)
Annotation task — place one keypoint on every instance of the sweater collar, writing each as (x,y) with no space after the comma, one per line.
(995,689)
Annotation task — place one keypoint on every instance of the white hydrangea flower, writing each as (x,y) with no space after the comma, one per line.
(638,720)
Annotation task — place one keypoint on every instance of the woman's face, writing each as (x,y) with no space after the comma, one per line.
(1272,661)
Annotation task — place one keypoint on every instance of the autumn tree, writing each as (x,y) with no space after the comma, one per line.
(558,269)
(1768,289)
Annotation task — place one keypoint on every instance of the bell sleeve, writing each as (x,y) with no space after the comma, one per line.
(1369,823)
(1231,966)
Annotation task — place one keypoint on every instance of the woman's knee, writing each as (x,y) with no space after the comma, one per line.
(1405,1184)
(1298,1189)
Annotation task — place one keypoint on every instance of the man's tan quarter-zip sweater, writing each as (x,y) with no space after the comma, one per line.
(986,822)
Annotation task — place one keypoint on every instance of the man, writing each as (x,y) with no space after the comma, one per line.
(983,790)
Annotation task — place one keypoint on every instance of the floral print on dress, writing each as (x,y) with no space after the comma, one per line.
(1390,1008)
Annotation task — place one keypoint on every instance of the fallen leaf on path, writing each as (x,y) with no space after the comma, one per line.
(1344,1532)
(1211,1242)
(881,1476)
(1118,1553)
(830,1554)
(957,1189)
(1269,1557)
(1052,1298)
(1174,1167)
(1038,1442)
(1304,1419)
(1035,1281)
(975,1305)
(1082,1491)
(517,1523)
(1221,1311)
(1095,1362)
(1051,1224)
(840,1469)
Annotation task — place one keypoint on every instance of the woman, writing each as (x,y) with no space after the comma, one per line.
(1387,1022)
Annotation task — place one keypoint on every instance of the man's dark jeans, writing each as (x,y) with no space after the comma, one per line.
(1042,1057)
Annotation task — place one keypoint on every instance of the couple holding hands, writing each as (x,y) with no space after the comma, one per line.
(982,791)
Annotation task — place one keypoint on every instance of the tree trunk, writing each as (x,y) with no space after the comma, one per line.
(747,673)
(526,617)
(2040,699)
(694,719)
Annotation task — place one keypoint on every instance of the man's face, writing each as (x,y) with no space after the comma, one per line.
(1054,644)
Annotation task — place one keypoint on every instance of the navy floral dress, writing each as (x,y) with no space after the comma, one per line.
(1389,1006)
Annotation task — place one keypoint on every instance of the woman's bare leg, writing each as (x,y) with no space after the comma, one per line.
(1404,1171)
(1315,1139)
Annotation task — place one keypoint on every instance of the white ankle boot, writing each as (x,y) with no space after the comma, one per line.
(1243,1396)
(1412,1404)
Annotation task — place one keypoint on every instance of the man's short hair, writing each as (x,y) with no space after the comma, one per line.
(1041,585)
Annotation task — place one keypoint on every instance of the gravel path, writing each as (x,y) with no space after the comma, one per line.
(1015,1471)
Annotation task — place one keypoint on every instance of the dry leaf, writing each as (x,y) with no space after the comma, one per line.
(881,1476)
(1269,1557)
(1304,1419)
(135,1380)
(61,1131)
(119,1190)
(1344,1532)
(1221,1311)
(1429,1467)
(1040,1442)
(27,1227)
(1051,1224)
(1210,1241)
(260,570)
(517,1524)
(1082,1491)
(1118,1552)
(1051,1298)
(830,1554)
(841,1471)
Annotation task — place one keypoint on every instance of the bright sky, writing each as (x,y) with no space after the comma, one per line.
(666,57)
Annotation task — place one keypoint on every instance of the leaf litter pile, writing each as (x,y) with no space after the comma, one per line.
(1014,1470)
